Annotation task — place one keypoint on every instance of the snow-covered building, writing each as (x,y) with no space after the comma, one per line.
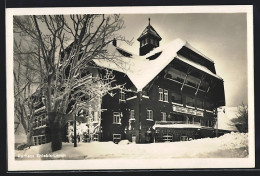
(171,92)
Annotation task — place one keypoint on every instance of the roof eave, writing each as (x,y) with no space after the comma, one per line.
(142,36)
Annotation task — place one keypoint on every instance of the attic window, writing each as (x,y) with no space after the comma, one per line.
(154,56)
(124,53)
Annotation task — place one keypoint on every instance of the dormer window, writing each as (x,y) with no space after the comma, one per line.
(156,43)
(146,41)
(152,41)
(156,55)
(142,43)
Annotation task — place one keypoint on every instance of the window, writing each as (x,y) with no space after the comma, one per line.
(122,96)
(146,40)
(167,137)
(190,101)
(143,42)
(152,41)
(149,114)
(156,43)
(132,114)
(116,118)
(176,98)
(165,95)
(39,121)
(95,137)
(38,140)
(163,116)
(116,138)
(160,94)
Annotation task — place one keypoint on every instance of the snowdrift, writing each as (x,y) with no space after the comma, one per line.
(233,145)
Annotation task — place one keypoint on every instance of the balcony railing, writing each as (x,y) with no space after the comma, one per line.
(175,122)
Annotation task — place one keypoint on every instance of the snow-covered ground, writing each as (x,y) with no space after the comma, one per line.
(234,145)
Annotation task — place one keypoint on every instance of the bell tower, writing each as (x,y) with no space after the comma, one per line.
(149,39)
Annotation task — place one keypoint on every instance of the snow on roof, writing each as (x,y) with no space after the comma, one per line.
(141,70)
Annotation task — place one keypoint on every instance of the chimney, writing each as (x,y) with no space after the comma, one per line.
(114,42)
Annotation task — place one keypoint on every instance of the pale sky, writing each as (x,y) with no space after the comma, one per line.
(221,37)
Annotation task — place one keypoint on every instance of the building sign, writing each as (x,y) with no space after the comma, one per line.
(187,110)
(179,109)
(199,113)
(191,111)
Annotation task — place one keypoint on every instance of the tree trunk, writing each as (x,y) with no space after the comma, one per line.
(55,131)
(29,138)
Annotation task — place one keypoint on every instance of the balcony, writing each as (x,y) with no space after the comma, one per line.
(176,124)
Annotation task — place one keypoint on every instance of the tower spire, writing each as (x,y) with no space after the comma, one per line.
(149,39)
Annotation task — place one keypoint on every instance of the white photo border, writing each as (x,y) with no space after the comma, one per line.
(108,164)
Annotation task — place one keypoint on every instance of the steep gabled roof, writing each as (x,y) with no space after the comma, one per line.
(141,70)
(149,30)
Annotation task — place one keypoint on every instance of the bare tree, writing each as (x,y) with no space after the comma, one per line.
(61,50)
(24,79)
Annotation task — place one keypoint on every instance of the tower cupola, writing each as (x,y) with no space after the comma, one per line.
(149,39)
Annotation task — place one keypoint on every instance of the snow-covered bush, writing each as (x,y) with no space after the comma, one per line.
(124,142)
(22,146)
(235,141)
